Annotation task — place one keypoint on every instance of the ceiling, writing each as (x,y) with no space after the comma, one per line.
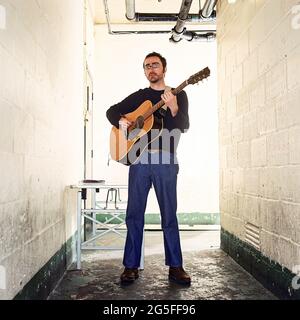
(117,9)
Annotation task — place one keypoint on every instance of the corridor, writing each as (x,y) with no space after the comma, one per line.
(64,63)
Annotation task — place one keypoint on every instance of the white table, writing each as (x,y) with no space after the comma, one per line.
(96,207)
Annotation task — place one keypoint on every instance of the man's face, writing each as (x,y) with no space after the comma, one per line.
(153,69)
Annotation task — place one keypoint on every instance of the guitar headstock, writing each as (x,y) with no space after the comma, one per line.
(199,76)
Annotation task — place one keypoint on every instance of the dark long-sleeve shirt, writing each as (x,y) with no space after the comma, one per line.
(133,101)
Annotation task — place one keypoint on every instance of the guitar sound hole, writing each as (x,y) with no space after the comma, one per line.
(139,123)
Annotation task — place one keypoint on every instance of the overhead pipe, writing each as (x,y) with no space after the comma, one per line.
(169,17)
(179,32)
(179,29)
(132,15)
(130,9)
(126,32)
(208,8)
(188,37)
(193,36)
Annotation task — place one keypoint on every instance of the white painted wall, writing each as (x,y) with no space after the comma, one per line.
(119,72)
(41,143)
(259,91)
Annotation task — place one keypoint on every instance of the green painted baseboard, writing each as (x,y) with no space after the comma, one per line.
(191,219)
(271,274)
(45,280)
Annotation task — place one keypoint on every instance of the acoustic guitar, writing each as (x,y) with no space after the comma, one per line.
(126,146)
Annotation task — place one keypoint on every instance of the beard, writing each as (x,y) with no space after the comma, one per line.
(154,78)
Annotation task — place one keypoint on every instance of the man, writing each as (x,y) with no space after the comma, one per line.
(158,166)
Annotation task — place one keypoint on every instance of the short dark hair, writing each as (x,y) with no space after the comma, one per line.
(162,59)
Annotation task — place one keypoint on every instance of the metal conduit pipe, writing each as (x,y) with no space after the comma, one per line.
(197,32)
(130,9)
(179,29)
(208,8)
(193,36)
(159,17)
(169,17)
(180,32)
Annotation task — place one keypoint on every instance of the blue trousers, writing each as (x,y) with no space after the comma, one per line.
(160,170)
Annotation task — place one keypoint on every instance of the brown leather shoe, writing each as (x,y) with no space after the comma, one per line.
(178,275)
(129,275)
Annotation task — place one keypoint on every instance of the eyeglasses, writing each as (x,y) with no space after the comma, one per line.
(153,65)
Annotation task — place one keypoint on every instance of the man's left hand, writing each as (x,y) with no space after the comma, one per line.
(171,102)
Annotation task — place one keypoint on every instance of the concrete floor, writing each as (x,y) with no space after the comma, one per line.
(215,275)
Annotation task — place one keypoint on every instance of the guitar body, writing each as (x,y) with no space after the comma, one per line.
(127,146)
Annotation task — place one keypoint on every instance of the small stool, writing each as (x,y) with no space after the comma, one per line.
(113,192)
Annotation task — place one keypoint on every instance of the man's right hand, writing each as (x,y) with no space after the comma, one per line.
(124,123)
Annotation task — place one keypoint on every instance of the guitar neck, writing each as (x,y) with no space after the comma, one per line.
(159,104)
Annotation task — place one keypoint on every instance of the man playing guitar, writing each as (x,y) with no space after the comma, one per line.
(157,166)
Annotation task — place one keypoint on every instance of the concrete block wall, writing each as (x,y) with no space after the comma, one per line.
(41,142)
(259,123)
